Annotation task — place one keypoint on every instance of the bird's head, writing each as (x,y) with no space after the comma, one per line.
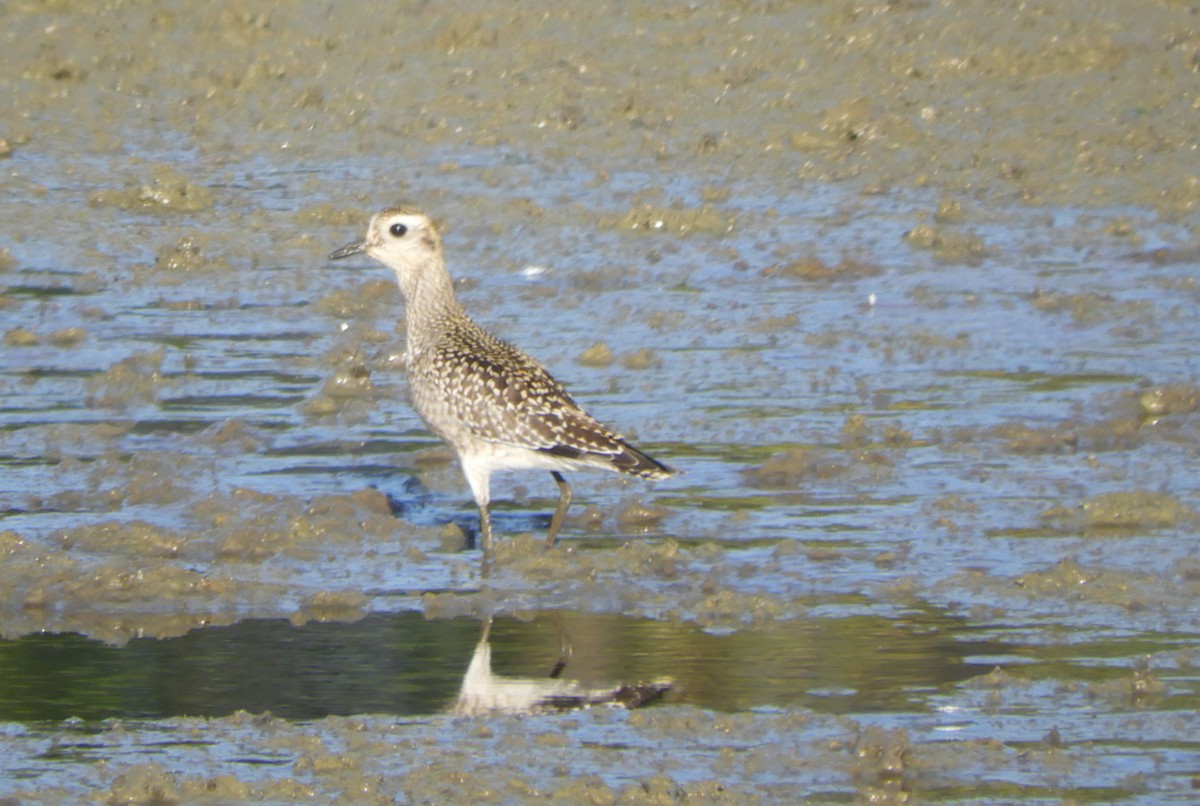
(403,239)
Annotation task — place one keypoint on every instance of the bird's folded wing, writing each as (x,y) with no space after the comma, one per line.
(505,396)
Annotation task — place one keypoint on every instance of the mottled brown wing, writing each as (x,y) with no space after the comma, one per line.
(504,396)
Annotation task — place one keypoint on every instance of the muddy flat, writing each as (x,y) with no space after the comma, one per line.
(907,290)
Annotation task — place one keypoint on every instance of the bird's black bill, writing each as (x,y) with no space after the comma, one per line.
(349,249)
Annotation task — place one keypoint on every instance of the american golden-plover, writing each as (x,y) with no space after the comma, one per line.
(497,407)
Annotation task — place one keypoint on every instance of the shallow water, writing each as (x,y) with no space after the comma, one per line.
(403,664)
(933,388)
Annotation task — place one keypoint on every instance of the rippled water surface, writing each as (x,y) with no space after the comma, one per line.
(935,535)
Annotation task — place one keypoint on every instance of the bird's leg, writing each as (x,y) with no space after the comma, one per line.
(564,500)
(485,527)
(479,480)
(565,650)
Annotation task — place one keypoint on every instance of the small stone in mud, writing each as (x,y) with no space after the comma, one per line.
(949,211)
(789,468)
(1135,690)
(776,324)
(811,267)
(235,435)
(677,219)
(1179,398)
(853,120)
(135,538)
(854,431)
(186,257)
(326,214)
(637,516)
(1088,308)
(1125,510)
(67,336)
(167,189)
(1122,228)
(598,355)
(363,300)
(812,141)
(144,783)
(372,500)
(1140,508)
(344,606)
(947,245)
(590,519)
(452,538)
(351,381)
(135,379)
(321,405)
(644,358)
(1023,439)
(20,337)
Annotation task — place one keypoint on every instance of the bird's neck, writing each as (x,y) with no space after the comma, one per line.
(429,304)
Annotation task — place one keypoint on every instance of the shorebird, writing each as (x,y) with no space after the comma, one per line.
(496,406)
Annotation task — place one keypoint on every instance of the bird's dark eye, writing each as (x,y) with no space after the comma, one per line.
(398,230)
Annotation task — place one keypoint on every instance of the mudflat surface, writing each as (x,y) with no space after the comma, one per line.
(908,290)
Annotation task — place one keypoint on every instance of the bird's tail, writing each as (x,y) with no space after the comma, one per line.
(632,461)
(621,457)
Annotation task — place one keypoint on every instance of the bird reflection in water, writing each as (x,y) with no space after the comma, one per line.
(484,692)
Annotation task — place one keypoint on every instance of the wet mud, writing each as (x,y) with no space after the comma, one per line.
(908,290)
